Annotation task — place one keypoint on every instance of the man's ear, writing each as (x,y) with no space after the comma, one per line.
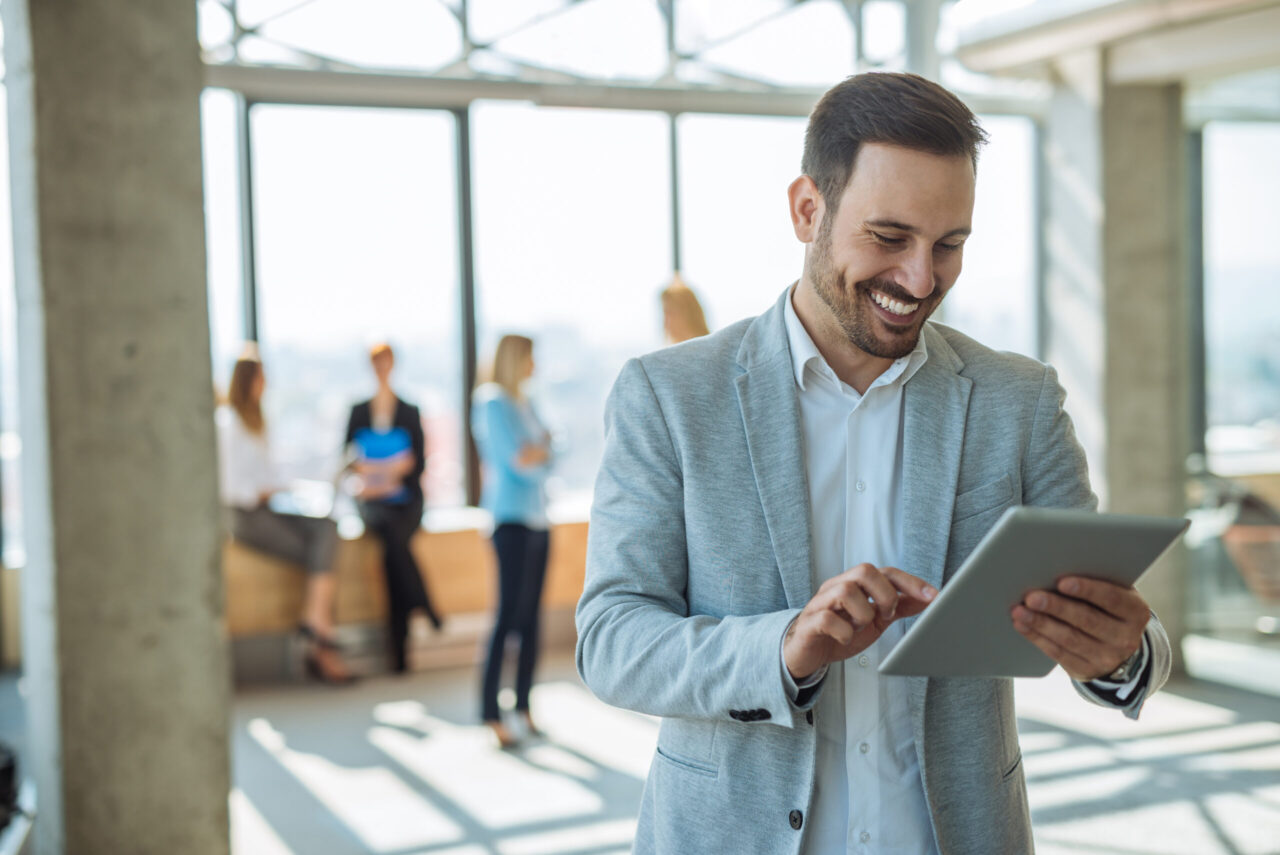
(807,208)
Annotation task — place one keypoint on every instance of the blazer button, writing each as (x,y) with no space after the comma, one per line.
(808,716)
(797,819)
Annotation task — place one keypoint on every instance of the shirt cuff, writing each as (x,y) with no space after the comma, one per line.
(1122,691)
(793,687)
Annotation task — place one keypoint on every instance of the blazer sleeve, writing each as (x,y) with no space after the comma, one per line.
(638,646)
(418,439)
(355,421)
(1058,476)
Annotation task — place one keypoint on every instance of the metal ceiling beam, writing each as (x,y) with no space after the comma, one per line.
(1034,34)
(304,86)
(360,89)
(1206,49)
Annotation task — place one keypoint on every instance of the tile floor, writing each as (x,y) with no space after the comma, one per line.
(399,767)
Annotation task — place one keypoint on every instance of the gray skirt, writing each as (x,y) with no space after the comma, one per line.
(309,541)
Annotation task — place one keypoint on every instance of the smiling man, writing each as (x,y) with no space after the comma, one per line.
(776,498)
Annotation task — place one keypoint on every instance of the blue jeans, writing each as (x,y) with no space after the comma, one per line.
(522,568)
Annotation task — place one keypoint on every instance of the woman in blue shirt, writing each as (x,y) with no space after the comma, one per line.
(515,448)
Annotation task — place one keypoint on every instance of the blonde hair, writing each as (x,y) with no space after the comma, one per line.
(380,349)
(680,303)
(247,370)
(508,362)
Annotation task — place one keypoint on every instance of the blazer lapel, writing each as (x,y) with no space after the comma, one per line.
(935,408)
(775,441)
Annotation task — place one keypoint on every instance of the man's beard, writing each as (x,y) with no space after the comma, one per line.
(850,305)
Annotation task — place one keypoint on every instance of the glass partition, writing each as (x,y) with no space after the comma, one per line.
(1235,538)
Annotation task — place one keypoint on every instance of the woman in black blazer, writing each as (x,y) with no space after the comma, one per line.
(385,434)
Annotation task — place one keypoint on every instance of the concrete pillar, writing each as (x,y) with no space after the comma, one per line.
(1118,294)
(1148,378)
(125,663)
(1075,328)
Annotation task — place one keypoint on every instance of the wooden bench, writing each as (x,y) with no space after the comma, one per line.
(264,594)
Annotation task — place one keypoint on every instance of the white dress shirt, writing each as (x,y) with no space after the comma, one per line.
(244,461)
(868,796)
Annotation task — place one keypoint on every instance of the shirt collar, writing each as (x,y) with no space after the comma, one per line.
(805,355)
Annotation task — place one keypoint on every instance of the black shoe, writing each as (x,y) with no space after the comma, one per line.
(331,671)
(308,632)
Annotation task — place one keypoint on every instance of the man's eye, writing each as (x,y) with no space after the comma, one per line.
(888,241)
(949,247)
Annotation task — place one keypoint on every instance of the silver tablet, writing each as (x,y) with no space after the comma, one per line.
(968,632)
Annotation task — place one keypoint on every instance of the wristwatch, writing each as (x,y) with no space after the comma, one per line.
(1125,672)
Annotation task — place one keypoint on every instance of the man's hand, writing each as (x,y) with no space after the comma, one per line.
(849,613)
(1087,626)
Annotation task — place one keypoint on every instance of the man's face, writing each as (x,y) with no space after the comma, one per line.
(892,249)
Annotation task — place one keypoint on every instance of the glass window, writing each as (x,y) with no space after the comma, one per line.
(218,112)
(573,243)
(217,30)
(738,249)
(355,215)
(808,44)
(1241,309)
(703,23)
(490,20)
(10,442)
(408,34)
(884,33)
(604,39)
(385,34)
(995,298)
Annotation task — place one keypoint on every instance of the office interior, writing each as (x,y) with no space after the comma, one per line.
(317,175)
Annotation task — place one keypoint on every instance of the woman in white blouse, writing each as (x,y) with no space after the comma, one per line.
(248,481)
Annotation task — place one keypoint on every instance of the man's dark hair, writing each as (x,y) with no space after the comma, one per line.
(880,107)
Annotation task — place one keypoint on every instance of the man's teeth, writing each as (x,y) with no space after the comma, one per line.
(893,305)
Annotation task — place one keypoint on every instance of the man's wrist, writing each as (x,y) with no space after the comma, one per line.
(796,685)
(1120,691)
(1126,669)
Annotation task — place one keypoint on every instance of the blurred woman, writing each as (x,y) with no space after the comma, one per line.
(248,481)
(682,317)
(385,434)
(516,451)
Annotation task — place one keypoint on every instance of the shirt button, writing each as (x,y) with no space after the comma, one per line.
(796,819)
(864,660)
(864,748)
(860,486)
(865,837)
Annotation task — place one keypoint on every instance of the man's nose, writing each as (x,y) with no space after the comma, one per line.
(916,275)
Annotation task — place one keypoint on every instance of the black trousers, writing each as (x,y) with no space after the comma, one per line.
(522,568)
(395,525)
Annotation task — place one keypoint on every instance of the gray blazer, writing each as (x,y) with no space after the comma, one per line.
(699,557)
